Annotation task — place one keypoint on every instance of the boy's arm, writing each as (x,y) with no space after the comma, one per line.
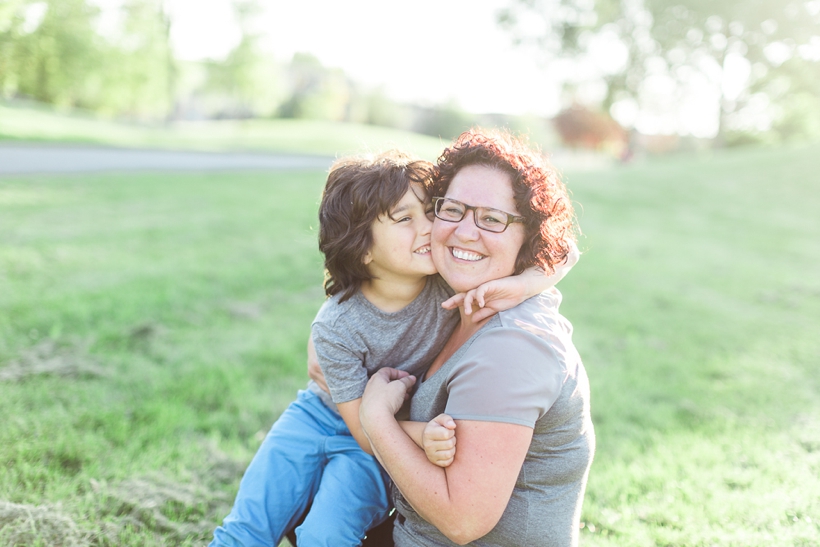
(505,293)
(349,410)
(350,414)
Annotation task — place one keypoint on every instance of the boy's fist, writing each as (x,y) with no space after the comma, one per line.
(439,440)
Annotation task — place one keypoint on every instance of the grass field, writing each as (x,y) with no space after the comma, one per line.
(42,124)
(153,326)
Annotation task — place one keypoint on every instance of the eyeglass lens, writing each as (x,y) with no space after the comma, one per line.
(488,219)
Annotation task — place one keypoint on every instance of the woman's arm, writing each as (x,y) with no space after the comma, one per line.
(465,500)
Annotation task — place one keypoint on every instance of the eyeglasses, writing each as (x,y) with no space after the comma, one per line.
(485,218)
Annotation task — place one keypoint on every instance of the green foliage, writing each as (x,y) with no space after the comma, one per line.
(173,311)
(680,38)
(50,62)
(318,93)
(446,121)
(249,80)
(139,77)
(64,61)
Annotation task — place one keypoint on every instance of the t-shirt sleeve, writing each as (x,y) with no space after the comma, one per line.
(507,375)
(341,364)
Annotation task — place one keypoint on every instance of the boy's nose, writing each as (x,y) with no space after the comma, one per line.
(426,226)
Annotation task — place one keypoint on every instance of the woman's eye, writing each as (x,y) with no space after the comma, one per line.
(492,220)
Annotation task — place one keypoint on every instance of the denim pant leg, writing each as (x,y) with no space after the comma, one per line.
(353,496)
(282,478)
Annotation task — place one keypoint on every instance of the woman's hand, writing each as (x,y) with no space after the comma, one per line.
(385,393)
(439,440)
(314,370)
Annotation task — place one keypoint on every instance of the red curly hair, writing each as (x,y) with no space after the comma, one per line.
(540,195)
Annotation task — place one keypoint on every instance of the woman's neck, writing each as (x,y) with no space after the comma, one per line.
(392,296)
(465,329)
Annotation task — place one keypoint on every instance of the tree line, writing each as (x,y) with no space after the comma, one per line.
(55,52)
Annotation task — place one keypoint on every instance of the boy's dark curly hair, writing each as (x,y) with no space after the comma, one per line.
(359,189)
(540,195)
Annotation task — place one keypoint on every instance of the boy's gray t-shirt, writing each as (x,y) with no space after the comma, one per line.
(354,339)
(520,368)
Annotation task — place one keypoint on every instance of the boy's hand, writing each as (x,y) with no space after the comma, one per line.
(505,293)
(488,299)
(439,440)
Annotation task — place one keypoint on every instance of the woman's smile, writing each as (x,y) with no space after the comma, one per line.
(469,256)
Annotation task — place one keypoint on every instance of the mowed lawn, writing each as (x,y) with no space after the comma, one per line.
(153,326)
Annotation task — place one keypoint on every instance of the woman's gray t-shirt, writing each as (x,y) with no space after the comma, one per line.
(354,339)
(520,368)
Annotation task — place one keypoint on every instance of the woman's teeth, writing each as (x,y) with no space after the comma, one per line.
(422,250)
(465,255)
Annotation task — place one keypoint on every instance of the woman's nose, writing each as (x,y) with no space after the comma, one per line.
(466,228)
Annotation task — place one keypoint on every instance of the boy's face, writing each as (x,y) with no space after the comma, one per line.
(401,244)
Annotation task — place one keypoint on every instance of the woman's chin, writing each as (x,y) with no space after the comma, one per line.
(465,282)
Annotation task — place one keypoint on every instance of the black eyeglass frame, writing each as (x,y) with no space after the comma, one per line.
(511,218)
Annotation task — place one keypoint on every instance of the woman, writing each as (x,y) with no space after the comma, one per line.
(513,383)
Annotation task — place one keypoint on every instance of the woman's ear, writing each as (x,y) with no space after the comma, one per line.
(367,258)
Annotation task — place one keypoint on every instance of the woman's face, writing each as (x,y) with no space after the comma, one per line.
(465,255)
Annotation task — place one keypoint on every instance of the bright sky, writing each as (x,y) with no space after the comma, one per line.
(426,50)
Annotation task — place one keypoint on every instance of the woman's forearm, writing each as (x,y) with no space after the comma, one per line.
(424,485)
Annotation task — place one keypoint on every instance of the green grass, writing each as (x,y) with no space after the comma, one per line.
(277,135)
(152,327)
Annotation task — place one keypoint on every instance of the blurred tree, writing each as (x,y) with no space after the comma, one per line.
(54,51)
(736,45)
(50,50)
(446,121)
(248,79)
(580,127)
(317,92)
(140,70)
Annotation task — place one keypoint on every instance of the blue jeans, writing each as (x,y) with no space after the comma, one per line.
(310,458)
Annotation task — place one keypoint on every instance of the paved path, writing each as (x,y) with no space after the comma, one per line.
(19,158)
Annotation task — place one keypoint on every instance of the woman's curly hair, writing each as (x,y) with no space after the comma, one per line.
(359,189)
(540,195)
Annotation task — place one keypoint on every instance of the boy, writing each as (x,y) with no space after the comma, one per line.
(384,310)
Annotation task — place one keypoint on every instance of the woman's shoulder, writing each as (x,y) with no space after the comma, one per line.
(539,316)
